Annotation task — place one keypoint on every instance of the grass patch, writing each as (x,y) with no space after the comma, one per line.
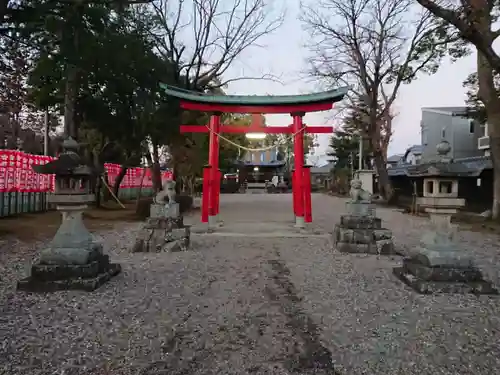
(38,226)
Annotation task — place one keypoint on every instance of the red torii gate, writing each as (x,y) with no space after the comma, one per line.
(296,105)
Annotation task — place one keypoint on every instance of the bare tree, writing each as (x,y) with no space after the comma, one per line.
(474,20)
(386,129)
(201,39)
(220,31)
(374,46)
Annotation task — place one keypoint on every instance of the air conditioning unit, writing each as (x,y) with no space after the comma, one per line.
(483,143)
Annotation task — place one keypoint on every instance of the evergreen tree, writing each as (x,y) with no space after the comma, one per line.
(344,145)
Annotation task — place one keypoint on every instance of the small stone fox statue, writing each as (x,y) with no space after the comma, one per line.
(357,193)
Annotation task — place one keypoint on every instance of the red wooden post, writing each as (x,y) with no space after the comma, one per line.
(298,150)
(307,194)
(300,178)
(213,156)
(219,177)
(205,197)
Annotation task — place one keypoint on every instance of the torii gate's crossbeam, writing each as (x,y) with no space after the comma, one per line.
(245,130)
(295,105)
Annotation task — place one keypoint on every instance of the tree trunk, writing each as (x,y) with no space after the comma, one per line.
(379,159)
(367,161)
(494,135)
(155,169)
(384,182)
(119,179)
(98,188)
(491,101)
(72,83)
(70,97)
(139,192)
(177,176)
(106,195)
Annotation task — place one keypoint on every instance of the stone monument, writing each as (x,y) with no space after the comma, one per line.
(360,231)
(164,230)
(73,260)
(439,264)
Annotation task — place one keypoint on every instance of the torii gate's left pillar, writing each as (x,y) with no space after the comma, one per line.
(214,175)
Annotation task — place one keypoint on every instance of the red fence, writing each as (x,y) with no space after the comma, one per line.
(16,174)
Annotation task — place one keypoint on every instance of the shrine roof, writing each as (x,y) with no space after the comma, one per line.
(273,163)
(464,167)
(330,96)
(440,169)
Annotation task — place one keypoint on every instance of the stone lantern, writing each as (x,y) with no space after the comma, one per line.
(439,264)
(73,260)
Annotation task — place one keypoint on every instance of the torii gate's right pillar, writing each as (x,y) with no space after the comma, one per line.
(298,174)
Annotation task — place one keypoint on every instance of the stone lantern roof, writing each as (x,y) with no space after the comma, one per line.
(69,163)
(442,166)
(440,169)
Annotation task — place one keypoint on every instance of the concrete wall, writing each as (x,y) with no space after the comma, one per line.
(455,129)
(464,138)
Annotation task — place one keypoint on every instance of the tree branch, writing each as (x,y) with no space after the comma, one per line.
(473,20)
(220,33)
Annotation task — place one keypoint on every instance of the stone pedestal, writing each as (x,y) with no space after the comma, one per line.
(425,278)
(439,265)
(163,231)
(360,231)
(73,261)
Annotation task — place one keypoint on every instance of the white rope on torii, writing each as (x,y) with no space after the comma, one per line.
(287,138)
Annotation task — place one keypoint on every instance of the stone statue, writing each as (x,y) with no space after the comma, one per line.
(360,230)
(164,230)
(357,193)
(168,191)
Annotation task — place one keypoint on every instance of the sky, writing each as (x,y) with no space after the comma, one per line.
(284,54)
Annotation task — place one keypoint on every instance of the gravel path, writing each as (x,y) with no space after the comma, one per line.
(240,305)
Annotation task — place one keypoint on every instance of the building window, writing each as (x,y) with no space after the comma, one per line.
(443,133)
(424,137)
(484,130)
(471,126)
(262,157)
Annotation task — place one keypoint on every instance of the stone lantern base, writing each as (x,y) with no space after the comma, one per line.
(426,274)
(439,264)
(361,232)
(73,261)
(87,277)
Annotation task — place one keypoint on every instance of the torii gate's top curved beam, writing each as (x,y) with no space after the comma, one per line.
(192,100)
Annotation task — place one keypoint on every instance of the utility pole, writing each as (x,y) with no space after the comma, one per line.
(46,133)
(352,164)
(360,156)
